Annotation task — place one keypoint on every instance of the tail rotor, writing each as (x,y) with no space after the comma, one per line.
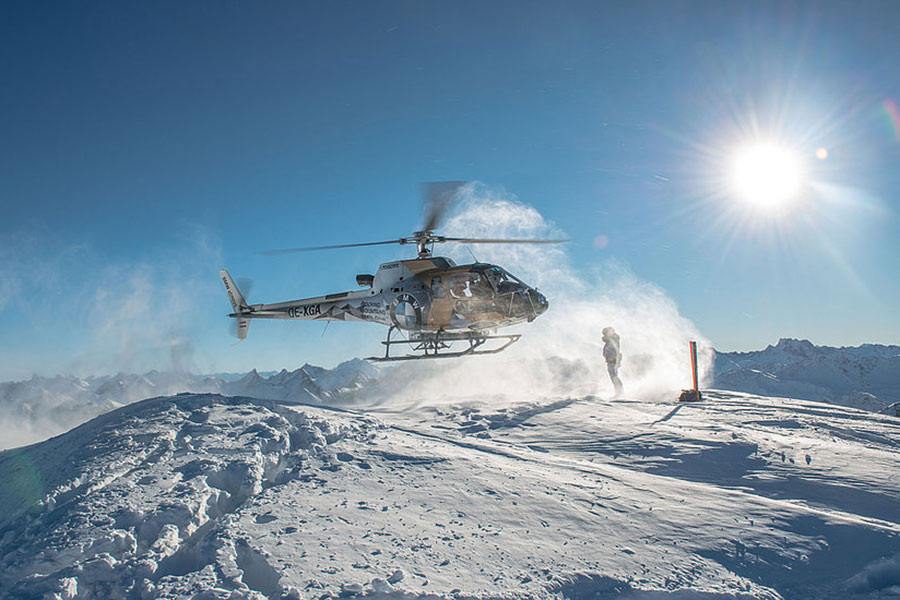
(242,310)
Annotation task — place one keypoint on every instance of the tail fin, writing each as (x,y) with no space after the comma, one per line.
(238,303)
(234,294)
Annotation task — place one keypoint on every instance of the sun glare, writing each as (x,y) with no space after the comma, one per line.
(766,175)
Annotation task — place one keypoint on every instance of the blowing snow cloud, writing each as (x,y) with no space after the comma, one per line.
(560,352)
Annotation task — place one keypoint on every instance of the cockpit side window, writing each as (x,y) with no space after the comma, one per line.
(501,280)
(465,285)
(495,276)
(510,277)
(437,287)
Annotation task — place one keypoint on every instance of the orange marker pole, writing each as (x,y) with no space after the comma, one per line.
(694,367)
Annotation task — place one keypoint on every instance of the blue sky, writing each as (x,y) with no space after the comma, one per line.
(145,144)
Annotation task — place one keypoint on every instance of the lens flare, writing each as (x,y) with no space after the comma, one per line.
(766,175)
(893,114)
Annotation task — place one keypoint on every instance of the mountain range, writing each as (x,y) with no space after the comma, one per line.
(865,377)
(41,407)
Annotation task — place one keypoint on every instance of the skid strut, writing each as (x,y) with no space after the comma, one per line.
(438,345)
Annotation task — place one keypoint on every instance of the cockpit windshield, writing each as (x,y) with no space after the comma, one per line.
(500,279)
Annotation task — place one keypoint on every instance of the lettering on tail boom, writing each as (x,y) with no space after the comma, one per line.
(305,311)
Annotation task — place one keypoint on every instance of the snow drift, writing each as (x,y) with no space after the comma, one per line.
(203,496)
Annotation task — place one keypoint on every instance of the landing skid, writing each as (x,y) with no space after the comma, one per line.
(437,345)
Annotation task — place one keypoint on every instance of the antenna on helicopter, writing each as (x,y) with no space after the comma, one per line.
(437,197)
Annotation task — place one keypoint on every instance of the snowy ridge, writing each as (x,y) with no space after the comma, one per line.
(865,377)
(41,407)
(204,496)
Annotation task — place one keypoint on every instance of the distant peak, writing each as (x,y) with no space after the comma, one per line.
(358,365)
(794,344)
(251,376)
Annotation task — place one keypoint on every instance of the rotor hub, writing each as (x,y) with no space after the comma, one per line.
(424,242)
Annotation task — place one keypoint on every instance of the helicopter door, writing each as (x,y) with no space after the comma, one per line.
(471,293)
(437,287)
(462,286)
(441,311)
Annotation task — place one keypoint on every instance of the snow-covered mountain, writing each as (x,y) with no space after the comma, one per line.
(40,407)
(866,377)
(204,496)
(309,383)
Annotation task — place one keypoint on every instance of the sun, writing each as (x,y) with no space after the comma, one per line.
(766,175)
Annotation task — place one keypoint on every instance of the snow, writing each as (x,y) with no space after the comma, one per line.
(206,496)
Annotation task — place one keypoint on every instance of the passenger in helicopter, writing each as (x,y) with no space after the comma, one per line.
(472,292)
(466,286)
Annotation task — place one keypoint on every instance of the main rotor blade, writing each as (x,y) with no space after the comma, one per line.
(438,196)
(312,248)
(497,241)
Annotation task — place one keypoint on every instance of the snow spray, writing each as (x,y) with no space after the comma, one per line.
(560,353)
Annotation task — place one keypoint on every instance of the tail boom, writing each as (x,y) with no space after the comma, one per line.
(343,306)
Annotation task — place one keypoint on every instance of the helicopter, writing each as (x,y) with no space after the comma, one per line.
(430,299)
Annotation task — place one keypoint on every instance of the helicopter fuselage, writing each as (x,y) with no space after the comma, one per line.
(430,294)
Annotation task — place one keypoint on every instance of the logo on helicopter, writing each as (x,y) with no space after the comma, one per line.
(308,310)
(407,314)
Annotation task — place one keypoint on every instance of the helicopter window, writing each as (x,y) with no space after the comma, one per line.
(442,263)
(437,287)
(467,285)
(495,276)
(500,280)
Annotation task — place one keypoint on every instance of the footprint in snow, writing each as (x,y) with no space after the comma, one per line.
(397,576)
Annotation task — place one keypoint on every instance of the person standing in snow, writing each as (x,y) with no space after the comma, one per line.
(612,352)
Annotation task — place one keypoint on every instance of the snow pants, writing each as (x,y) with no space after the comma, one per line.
(613,370)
